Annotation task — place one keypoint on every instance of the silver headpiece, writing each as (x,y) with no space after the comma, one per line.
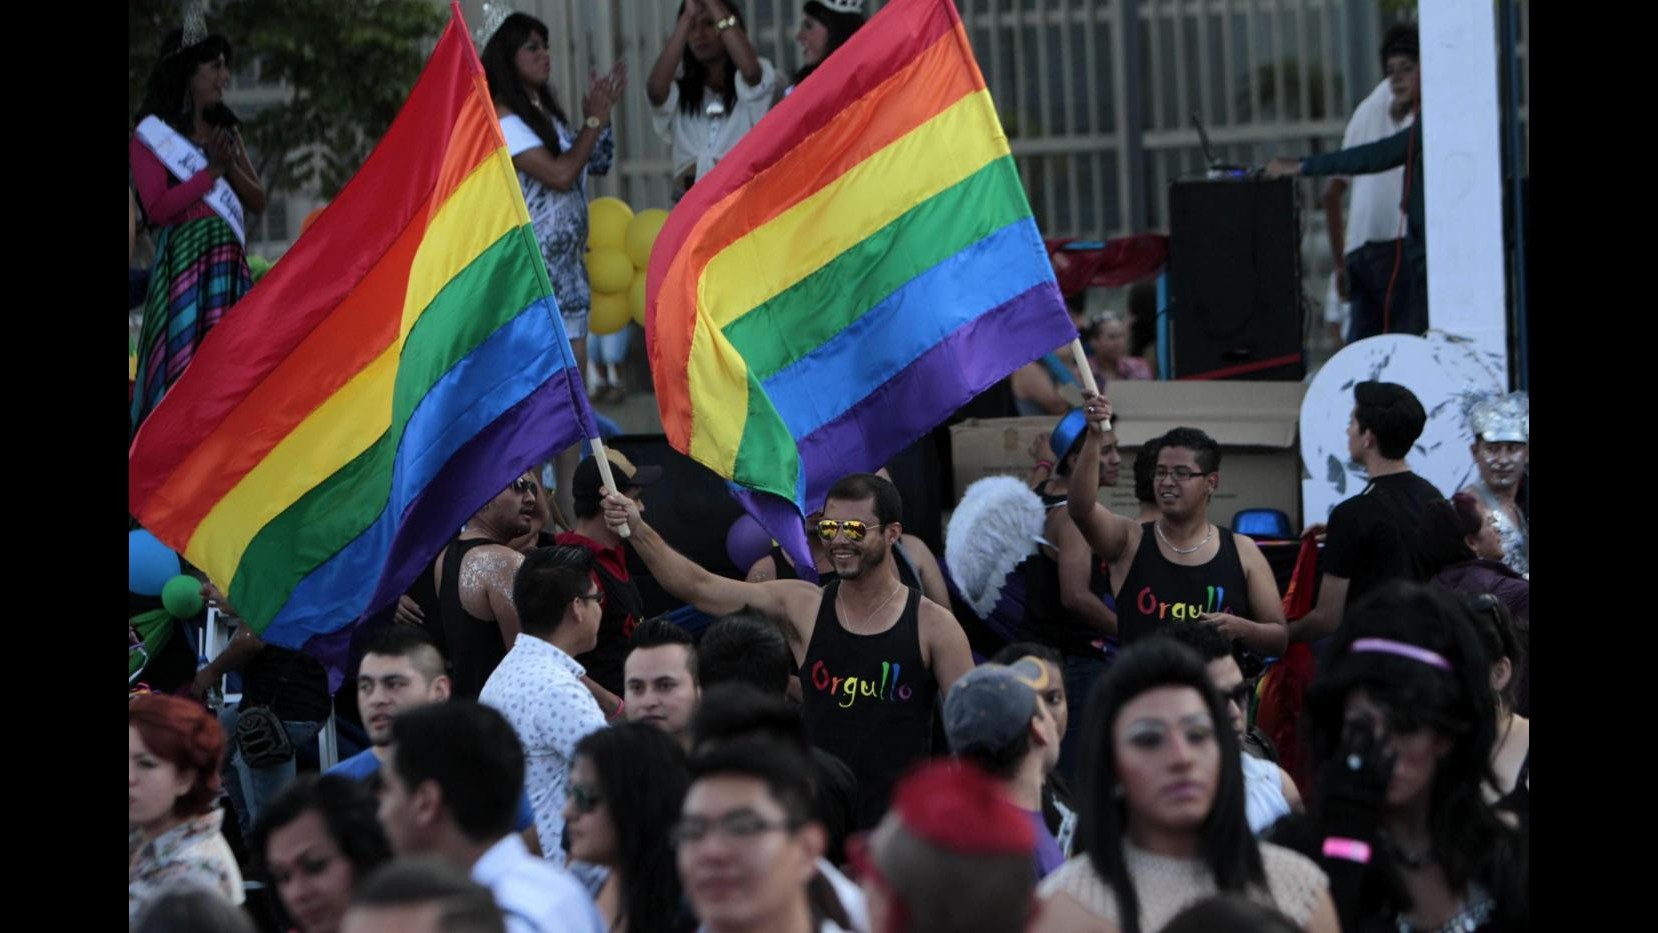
(195,22)
(495,13)
(1500,418)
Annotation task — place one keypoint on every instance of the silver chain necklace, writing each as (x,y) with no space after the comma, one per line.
(1158,527)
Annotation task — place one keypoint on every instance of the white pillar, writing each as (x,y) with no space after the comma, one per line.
(1467,287)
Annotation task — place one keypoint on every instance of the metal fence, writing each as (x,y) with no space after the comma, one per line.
(1096,95)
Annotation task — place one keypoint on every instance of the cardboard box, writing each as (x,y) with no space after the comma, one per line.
(1255,424)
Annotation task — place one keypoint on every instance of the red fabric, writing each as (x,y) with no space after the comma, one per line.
(164,206)
(932,800)
(1120,262)
(613,559)
(1283,690)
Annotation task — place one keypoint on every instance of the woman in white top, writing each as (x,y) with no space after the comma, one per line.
(707,89)
(1162,823)
(553,161)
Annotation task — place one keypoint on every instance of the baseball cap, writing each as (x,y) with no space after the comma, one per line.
(991,706)
(588,484)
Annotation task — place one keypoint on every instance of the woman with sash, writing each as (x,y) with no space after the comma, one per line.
(194,181)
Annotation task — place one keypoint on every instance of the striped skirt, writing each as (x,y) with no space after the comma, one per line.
(200,271)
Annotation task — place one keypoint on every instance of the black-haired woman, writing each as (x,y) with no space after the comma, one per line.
(1162,824)
(194,181)
(1403,722)
(825,25)
(708,88)
(552,157)
(626,787)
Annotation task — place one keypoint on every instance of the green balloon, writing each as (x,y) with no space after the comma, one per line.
(182,596)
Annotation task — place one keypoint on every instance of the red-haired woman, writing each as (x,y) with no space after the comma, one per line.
(175,749)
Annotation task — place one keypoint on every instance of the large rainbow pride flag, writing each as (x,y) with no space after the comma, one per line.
(398,368)
(860,266)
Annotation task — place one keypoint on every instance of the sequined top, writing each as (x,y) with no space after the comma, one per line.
(1165,886)
(191,853)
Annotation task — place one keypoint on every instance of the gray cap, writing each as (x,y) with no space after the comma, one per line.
(991,706)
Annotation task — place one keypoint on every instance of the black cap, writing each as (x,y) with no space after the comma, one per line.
(588,484)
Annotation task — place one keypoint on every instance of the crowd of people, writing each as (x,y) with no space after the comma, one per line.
(872,752)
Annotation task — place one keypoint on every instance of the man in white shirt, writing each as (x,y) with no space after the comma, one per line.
(538,685)
(449,788)
(1367,247)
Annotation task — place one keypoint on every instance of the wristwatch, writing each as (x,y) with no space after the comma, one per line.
(594,123)
(726,23)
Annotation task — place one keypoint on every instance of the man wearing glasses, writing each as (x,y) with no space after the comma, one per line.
(474,586)
(538,685)
(873,653)
(746,842)
(1179,565)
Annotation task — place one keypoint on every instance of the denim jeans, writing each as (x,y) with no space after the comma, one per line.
(254,788)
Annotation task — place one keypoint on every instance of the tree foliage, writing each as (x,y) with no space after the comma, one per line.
(345,66)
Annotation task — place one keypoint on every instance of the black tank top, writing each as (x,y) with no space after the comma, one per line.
(1046,620)
(475,645)
(907,574)
(869,700)
(1156,592)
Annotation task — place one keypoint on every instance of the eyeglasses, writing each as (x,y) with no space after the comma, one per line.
(584,798)
(855,530)
(738,826)
(1180,474)
(596,599)
(523,485)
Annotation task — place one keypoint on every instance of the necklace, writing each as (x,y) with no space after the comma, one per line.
(1158,526)
(871,613)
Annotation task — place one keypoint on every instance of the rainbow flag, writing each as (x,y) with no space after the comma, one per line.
(860,266)
(398,368)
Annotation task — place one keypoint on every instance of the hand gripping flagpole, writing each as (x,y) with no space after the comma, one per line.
(1087,374)
(607,478)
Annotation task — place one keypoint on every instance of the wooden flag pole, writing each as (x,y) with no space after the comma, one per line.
(609,480)
(1087,374)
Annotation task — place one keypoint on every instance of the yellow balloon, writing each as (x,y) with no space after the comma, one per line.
(641,235)
(609,271)
(607,222)
(609,313)
(636,298)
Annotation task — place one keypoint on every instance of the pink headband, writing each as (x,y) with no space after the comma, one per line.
(1403,650)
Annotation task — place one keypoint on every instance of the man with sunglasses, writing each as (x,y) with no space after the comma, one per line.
(1269,791)
(1180,565)
(474,586)
(873,654)
(538,685)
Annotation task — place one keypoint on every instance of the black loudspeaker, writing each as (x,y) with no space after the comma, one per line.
(1234,303)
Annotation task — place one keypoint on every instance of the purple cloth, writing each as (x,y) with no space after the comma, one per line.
(1048,854)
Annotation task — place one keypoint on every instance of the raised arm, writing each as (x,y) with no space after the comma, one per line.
(792,600)
(563,171)
(735,41)
(662,73)
(926,566)
(1108,534)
